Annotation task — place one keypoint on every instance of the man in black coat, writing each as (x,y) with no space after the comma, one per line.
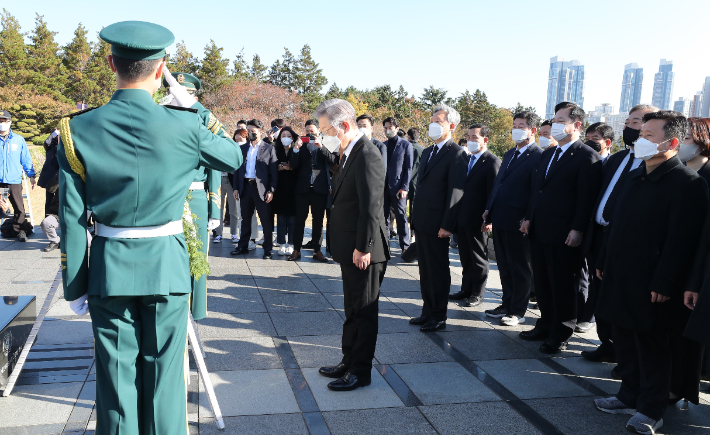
(359,241)
(255,183)
(564,187)
(506,208)
(417,150)
(399,174)
(472,234)
(614,173)
(653,236)
(442,175)
(365,124)
(311,162)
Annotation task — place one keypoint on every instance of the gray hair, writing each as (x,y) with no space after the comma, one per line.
(645,108)
(451,114)
(336,111)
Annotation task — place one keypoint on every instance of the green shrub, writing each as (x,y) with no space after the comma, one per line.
(29,121)
(28,113)
(24,135)
(25,106)
(15,107)
(21,125)
(39,140)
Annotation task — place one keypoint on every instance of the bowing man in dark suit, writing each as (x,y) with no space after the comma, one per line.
(506,208)
(564,187)
(359,241)
(399,173)
(255,183)
(653,237)
(442,175)
(472,234)
(614,174)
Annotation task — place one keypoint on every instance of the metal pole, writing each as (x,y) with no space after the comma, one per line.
(197,351)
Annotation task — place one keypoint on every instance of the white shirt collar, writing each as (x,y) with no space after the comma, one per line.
(352,143)
(525,148)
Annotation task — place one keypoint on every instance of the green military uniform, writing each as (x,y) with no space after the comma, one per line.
(131,163)
(204,202)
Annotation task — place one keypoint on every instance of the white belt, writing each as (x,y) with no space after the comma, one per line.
(197,185)
(169,229)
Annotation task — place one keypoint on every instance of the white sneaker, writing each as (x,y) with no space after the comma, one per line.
(260,242)
(282,251)
(289,249)
(217,239)
(612,405)
(511,320)
(235,239)
(276,244)
(252,245)
(641,424)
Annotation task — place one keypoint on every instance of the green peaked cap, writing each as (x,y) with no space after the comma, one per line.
(185,79)
(137,40)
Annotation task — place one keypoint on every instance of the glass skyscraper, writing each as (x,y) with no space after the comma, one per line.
(631,87)
(564,83)
(663,85)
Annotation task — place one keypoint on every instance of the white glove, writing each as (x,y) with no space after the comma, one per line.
(181,96)
(80,306)
(212,224)
(168,99)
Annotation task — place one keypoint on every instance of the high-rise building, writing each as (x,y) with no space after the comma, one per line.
(683,106)
(705,113)
(565,83)
(631,87)
(663,85)
(696,106)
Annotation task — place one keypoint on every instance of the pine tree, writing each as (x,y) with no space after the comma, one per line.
(13,59)
(77,55)
(433,96)
(309,79)
(213,69)
(283,73)
(98,72)
(258,70)
(334,92)
(48,73)
(183,60)
(241,69)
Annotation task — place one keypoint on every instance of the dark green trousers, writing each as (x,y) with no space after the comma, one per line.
(198,206)
(140,364)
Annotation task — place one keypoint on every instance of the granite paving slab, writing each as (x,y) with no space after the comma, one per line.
(77,330)
(317,351)
(229,301)
(376,395)
(282,424)
(307,323)
(279,301)
(486,345)
(395,421)
(443,382)
(224,325)
(413,347)
(487,418)
(245,353)
(46,403)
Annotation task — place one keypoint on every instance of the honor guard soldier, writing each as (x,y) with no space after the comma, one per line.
(204,197)
(131,162)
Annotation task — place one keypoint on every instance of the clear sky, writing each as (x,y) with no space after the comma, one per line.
(502,47)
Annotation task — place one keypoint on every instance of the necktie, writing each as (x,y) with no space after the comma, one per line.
(555,158)
(471,162)
(515,157)
(433,153)
(613,196)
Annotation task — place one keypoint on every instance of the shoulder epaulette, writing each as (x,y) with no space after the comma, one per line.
(185,109)
(69,151)
(81,112)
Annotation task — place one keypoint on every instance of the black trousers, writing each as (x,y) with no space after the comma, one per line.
(434,274)
(556,271)
(317,202)
(645,367)
(249,201)
(361,290)
(513,259)
(18,206)
(473,251)
(604,329)
(399,208)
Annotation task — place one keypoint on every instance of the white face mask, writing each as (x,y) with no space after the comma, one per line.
(473,147)
(5,126)
(644,149)
(544,142)
(367,131)
(519,135)
(286,141)
(242,142)
(331,143)
(558,131)
(435,130)
(688,152)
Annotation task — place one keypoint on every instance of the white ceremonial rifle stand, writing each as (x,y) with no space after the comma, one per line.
(199,354)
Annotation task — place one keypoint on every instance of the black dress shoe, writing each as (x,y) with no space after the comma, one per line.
(308,245)
(457,296)
(348,382)
(615,374)
(552,347)
(267,256)
(534,334)
(600,354)
(433,325)
(238,251)
(51,247)
(418,320)
(334,371)
(473,301)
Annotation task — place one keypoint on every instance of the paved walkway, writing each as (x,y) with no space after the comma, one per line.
(273,323)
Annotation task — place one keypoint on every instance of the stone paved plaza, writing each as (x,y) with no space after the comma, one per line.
(273,323)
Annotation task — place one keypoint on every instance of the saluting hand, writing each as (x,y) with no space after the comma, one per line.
(690,299)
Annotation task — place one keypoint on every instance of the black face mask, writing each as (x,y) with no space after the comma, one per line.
(252,137)
(593,145)
(631,135)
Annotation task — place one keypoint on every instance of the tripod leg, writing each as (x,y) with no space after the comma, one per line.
(202,368)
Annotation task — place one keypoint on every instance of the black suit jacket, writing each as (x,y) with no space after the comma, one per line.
(509,200)
(356,218)
(563,200)
(699,282)
(383,150)
(439,189)
(399,166)
(653,236)
(301,163)
(417,151)
(477,190)
(266,169)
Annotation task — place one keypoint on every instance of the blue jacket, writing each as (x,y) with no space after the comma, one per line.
(399,166)
(14,156)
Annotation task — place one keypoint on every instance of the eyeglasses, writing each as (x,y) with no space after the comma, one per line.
(326,131)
